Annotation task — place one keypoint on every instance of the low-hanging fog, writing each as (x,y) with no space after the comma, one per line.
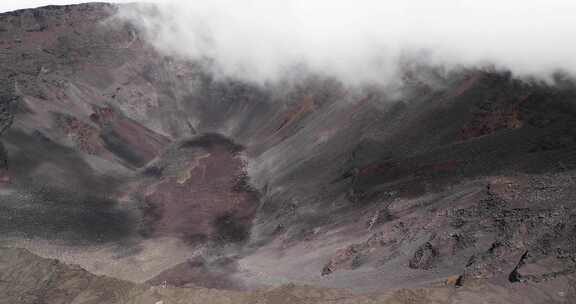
(363,40)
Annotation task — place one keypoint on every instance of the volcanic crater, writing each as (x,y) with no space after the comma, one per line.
(153,169)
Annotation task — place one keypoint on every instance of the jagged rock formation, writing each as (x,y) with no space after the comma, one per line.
(117,151)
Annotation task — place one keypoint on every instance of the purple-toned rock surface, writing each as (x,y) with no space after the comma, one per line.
(150,169)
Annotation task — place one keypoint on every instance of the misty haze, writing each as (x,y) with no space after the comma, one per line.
(286,152)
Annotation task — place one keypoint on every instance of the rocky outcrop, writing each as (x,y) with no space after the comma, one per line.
(200,192)
(424,257)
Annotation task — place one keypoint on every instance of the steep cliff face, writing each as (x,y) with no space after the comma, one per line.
(149,168)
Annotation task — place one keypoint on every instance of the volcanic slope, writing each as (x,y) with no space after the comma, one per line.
(148,168)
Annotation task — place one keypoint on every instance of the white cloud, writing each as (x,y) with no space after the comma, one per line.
(361,39)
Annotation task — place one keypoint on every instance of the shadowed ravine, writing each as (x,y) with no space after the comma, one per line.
(149,172)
